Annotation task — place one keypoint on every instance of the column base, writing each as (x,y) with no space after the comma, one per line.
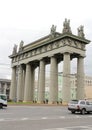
(27,101)
(64,103)
(53,102)
(41,102)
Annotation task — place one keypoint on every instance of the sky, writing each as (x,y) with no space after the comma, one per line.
(29,20)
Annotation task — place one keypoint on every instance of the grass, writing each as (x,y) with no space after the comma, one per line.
(20,103)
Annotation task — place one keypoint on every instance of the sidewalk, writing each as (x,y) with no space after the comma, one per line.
(32,104)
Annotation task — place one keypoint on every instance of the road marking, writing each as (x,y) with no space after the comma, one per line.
(62,117)
(1,119)
(5,113)
(44,118)
(23,119)
(89,127)
(77,116)
(89,116)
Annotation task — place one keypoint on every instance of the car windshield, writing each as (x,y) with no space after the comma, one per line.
(74,102)
(3,97)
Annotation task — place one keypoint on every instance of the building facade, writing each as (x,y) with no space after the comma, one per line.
(87,86)
(51,49)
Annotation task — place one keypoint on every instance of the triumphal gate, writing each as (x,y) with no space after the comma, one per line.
(51,49)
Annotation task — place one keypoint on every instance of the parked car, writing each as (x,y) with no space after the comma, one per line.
(82,106)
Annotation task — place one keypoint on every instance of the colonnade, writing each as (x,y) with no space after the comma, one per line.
(23,82)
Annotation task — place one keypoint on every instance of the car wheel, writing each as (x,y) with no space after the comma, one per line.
(88,112)
(72,112)
(1,106)
(83,111)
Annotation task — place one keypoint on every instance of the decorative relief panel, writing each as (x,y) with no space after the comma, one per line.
(82,46)
(66,42)
(63,42)
(54,45)
(60,43)
(25,55)
(37,51)
(17,58)
(20,57)
(79,45)
(28,54)
(76,44)
(49,47)
(33,52)
(43,49)
(13,60)
(73,44)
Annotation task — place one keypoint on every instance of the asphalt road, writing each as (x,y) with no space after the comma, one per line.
(43,118)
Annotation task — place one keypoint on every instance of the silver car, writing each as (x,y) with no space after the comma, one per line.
(82,106)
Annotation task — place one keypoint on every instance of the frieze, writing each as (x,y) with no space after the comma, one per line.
(50,47)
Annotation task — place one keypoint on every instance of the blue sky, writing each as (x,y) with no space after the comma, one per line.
(29,20)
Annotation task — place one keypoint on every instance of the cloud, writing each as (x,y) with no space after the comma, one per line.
(29,20)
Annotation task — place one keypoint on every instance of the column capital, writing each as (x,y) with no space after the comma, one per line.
(67,52)
(82,56)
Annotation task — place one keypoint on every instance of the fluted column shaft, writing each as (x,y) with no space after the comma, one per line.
(13,84)
(53,81)
(32,83)
(66,79)
(28,93)
(20,84)
(80,78)
(41,88)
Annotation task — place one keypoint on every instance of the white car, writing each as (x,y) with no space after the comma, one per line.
(3,100)
(82,106)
